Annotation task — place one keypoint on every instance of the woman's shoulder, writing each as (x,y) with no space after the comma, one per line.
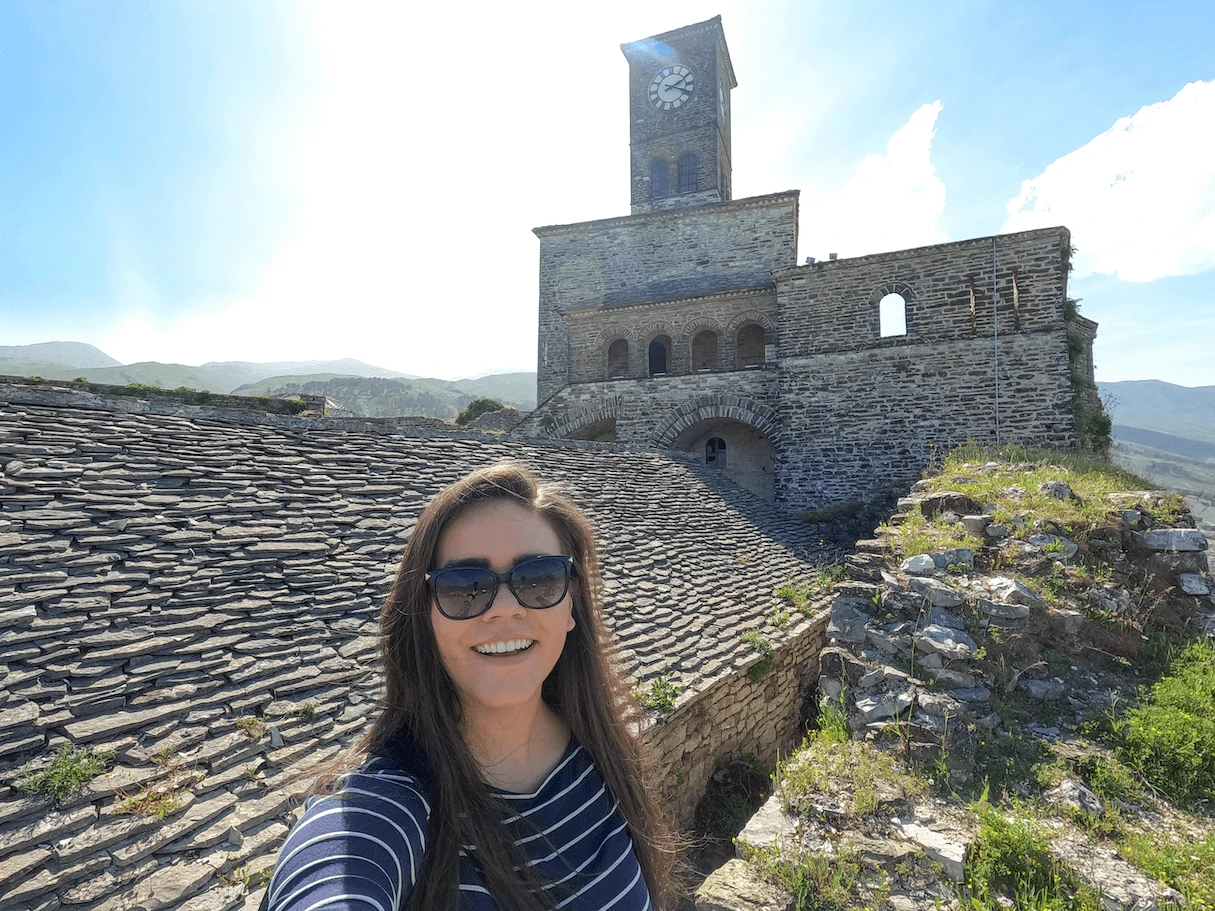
(365,839)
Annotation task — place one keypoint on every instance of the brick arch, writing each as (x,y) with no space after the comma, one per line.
(699,325)
(646,335)
(577,418)
(751,316)
(609,334)
(892,287)
(717,405)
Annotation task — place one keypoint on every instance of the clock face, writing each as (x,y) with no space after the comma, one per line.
(671,87)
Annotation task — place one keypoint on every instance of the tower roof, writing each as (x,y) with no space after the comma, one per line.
(655,44)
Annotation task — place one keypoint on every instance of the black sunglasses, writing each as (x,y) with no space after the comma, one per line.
(464,592)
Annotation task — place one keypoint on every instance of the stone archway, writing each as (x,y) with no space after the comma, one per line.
(735,435)
(589,422)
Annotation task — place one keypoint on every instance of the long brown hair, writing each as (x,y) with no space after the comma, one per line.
(584,688)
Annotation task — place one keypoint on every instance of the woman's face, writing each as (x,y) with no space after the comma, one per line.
(503,533)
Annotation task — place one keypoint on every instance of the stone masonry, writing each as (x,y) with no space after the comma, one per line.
(689,325)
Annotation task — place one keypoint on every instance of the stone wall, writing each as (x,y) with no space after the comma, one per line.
(735,716)
(660,256)
(591,332)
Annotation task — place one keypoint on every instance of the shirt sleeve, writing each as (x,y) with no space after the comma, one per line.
(357,850)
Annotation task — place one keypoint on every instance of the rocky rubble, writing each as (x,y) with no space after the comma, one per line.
(910,663)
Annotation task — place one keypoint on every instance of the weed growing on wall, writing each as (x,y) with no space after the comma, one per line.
(759,669)
(71,769)
(661,694)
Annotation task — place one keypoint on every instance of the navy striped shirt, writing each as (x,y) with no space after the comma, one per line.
(361,848)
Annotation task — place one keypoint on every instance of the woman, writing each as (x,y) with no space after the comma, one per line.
(504,771)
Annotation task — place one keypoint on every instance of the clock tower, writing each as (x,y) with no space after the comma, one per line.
(679,118)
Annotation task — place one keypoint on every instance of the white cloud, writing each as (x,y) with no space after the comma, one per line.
(892,202)
(1140,198)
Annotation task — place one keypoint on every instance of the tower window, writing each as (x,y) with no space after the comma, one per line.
(704,350)
(715,452)
(660,350)
(750,345)
(892,315)
(689,176)
(659,179)
(618,359)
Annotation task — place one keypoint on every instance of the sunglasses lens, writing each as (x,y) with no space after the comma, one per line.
(541,582)
(464,591)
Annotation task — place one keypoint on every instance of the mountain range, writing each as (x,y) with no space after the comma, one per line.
(360,389)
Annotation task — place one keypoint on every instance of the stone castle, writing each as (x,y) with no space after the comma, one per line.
(689,325)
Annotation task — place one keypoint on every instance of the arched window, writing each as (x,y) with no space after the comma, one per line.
(659,178)
(618,359)
(715,452)
(704,350)
(892,315)
(689,177)
(750,346)
(660,351)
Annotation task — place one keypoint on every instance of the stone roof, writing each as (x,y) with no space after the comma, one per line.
(198,592)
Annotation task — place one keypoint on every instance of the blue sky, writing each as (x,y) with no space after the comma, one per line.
(278,181)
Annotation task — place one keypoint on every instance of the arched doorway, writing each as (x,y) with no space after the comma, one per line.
(743,452)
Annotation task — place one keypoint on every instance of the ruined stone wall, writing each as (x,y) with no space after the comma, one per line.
(655,257)
(860,414)
(592,332)
(735,716)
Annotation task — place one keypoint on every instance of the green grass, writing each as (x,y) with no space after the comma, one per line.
(71,769)
(830,762)
(1011,859)
(1187,866)
(816,882)
(1092,480)
(1169,738)
(919,535)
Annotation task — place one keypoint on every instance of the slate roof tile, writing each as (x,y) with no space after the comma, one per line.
(162,575)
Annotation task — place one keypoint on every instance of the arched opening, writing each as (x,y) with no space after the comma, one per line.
(689,177)
(704,350)
(618,359)
(750,346)
(598,432)
(659,179)
(660,355)
(752,457)
(892,315)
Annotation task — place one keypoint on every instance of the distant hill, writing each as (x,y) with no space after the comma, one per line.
(1166,433)
(354,383)
(1182,411)
(382,397)
(67,354)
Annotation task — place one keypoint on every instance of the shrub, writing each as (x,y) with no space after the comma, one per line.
(70,770)
(1170,737)
(760,668)
(476,408)
(1011,859)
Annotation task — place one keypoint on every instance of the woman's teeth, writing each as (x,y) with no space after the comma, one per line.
(504,648)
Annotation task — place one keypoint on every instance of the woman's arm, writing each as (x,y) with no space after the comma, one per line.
(358,850)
